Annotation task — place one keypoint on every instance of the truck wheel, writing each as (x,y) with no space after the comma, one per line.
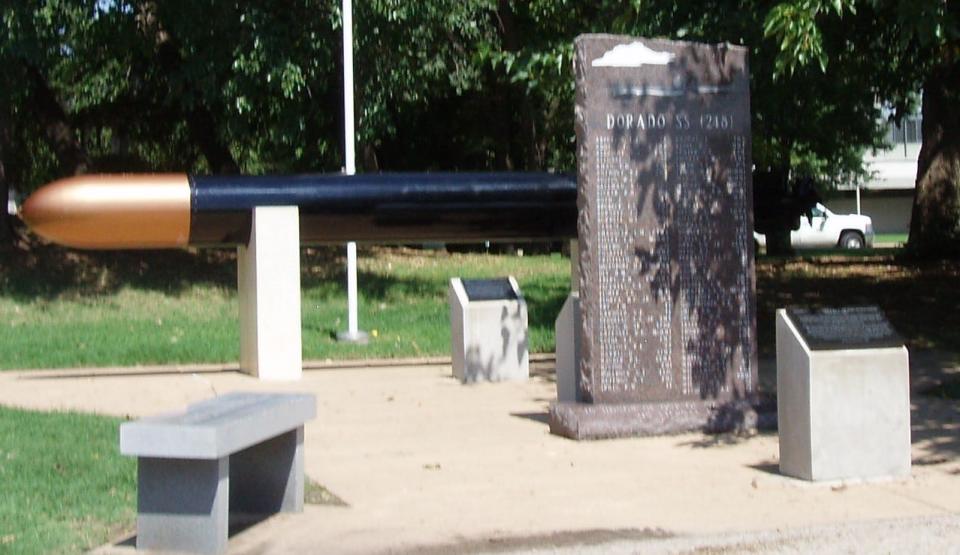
(851,240)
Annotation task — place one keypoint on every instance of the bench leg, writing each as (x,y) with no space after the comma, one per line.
(268,477)
(182,504)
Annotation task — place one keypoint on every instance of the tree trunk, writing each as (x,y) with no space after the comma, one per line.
(518,102)
(775,213)
(6,225)
(778,243)
(935,220)
(203,130)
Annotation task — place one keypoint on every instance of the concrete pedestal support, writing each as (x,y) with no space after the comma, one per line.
(186,504)
(567,329)
(268,275)
(182,505)
(268,477)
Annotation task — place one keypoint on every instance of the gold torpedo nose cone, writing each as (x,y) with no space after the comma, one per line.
(112,211)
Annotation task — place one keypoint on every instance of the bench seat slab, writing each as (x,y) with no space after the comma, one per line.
(217,427)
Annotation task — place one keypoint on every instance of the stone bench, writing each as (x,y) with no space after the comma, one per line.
(240,453)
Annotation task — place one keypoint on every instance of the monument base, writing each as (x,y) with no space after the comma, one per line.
(613,420)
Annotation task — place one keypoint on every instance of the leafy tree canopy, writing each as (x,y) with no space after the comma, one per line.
(911,45)
(212,86)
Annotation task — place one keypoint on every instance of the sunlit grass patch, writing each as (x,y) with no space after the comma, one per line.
(64,487)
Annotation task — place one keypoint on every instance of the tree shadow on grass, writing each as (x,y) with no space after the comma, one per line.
(49,271)
(381,287)
(544,303)
(919,298)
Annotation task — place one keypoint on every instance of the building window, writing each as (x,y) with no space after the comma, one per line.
(907,132)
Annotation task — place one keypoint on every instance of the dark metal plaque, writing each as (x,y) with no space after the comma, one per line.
(665,221)
(489,289)
(851,327)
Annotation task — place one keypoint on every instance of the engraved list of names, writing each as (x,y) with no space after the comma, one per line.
(665,227)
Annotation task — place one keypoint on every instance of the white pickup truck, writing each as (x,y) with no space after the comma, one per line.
(826,230)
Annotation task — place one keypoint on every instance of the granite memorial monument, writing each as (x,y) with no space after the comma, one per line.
(665,246)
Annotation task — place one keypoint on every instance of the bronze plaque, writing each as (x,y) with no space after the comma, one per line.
(847,327)
(665,221)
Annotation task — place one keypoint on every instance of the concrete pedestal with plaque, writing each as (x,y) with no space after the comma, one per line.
(843,395)
(488,330)
(668,339)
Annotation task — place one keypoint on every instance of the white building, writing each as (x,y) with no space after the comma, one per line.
(887,196)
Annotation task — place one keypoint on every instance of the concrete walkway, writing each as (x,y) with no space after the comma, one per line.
(427,465)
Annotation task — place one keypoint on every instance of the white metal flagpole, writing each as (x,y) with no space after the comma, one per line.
(350,167)
(349,138)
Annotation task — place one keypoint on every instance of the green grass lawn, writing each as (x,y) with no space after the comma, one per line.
(128,310)
(64,309)
(890,238)
(64,487)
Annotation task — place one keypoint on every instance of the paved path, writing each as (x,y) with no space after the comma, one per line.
(427,465)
